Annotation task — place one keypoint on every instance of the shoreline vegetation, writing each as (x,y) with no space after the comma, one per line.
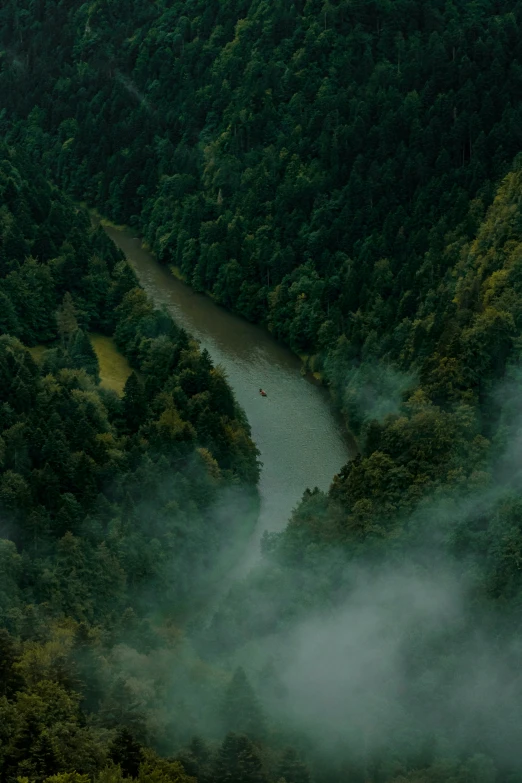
(105,497)
(308,362)
(349,173)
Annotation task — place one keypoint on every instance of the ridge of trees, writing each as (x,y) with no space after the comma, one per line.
(436,487)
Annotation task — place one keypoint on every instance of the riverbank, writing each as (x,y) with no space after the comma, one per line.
(301,438)
(307,361)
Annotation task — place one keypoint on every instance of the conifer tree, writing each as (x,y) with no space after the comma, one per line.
(127,752)
(292,769)
(8,319)
(238,761)
(66,319)
(8,676)
(241,711)
(82,354)
(134,403)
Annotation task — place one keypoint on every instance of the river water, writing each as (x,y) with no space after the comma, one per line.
(300,438)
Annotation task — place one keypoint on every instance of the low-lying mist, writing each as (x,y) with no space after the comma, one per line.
(399,661)
(407,652)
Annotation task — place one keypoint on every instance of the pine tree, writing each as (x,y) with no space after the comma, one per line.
(196,761)
(66,319)
(22,390)
(9,679)
(292,769)
(127,752)
(8,318)
(134,403)
(241,711)
(238,761)
(44,757)
(82,354)
(54,360)
(34,755)
(84,478)
(68,518)
(36,527)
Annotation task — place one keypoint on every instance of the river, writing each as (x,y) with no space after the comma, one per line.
(300,438)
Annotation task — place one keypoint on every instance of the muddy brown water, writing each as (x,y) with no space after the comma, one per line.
(301,440)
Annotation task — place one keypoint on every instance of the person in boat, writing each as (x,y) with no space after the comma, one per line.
(262,393)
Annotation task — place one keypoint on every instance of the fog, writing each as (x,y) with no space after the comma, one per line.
(406,649)
(395,652)
(373,390)
(401,659)
(398,660)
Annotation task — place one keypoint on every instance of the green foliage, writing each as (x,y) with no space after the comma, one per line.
(241,713)
(83,355)
(134,403)
(102,499)
(238,760)
(328,169)
(437,481)
(292,769)
(127,753)
(8,318)
(66,319)
(302,164)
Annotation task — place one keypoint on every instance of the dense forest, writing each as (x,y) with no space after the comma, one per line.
(103,499)
(346,172)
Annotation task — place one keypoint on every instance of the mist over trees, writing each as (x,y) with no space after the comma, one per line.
(102,498)
(347,173)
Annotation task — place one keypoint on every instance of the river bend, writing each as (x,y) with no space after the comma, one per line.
(300,438)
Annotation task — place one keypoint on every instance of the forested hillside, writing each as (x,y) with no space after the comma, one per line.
(103,500)
(391,604)
(348,173)
(297,159)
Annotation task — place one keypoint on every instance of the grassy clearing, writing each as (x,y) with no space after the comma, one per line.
(114,367)
(37,352)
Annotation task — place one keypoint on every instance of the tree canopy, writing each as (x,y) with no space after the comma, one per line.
(347,173)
